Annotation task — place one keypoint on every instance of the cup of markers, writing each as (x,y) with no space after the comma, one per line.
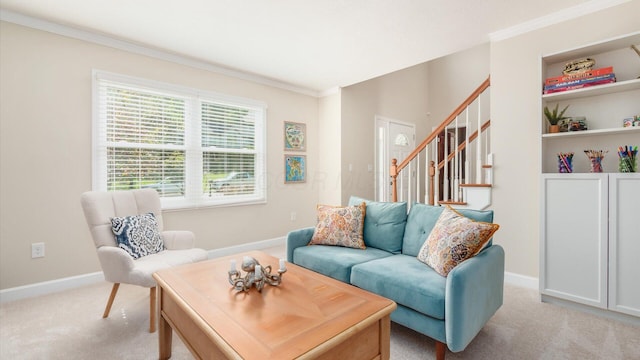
(595,156)
(565,162)
(628,159)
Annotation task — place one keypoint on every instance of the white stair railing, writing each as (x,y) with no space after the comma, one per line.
(457,150)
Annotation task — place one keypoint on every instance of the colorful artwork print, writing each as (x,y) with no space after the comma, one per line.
(294,136)
(295,167)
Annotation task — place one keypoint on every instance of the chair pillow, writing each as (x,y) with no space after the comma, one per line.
(340,226)
(454,239)
(138,235)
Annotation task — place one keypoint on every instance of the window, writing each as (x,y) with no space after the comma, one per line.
(195,148)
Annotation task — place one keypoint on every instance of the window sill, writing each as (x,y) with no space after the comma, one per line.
(185,205)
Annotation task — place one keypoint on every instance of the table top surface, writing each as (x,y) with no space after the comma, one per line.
(305,312)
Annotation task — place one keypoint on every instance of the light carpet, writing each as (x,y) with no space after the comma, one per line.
(69,325)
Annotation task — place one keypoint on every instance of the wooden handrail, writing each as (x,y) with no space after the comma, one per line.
(476,93)
(396,168)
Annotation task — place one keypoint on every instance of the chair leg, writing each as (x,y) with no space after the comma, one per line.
(440,350)
(152,310)
(114,290)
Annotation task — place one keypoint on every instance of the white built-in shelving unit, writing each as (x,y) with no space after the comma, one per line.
(589,221)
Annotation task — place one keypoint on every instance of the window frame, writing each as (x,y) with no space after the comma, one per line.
(195,195)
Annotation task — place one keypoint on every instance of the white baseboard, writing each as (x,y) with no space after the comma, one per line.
(258,245)
(521,280)
(49,287)
(53,286)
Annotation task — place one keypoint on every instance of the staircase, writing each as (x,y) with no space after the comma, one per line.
(455,160)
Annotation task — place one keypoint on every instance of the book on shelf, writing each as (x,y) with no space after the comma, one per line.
(580,86)
(580,81)
(586,74)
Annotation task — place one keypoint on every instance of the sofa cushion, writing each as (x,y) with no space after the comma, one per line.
(335,261)
(454,239)
(138,235)
(423,217)
(340,226)
(405,280)
(384,224)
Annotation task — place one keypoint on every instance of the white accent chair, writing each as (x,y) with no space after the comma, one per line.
(117,265)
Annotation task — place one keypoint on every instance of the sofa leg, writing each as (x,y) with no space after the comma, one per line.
(440,350)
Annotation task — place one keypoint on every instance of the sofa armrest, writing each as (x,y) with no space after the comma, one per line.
(298,238)
(116,263)
(178,239)
(474,292)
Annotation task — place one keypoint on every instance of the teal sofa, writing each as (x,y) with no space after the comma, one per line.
(451,309)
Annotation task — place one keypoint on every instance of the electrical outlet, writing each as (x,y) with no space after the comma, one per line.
(37,250)
(293,216)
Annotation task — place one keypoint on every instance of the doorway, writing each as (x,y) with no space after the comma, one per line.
(451,175)
(394,139)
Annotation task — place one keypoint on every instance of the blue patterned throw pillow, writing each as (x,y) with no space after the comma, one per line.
(138,235)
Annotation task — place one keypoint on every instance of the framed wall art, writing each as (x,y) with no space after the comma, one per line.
(295,168)
(295,136)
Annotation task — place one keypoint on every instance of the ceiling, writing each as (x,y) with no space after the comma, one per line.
(313,45)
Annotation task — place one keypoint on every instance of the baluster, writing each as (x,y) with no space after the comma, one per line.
(445,170)
(432,186)
(409,174)
(455,163)
(479,147)
(401,186)
(428,186)
(437,183)
(417,182)
(467,148)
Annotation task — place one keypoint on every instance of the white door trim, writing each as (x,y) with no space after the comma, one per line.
(382,177)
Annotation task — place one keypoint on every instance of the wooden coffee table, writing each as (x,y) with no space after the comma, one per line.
(309,316)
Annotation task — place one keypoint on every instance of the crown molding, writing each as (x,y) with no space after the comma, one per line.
(329,92)
(554,18)
(100,39)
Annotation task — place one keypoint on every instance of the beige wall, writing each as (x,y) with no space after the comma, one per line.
(422,95)
(45,154)
(453,78)
(45,131)
(515,119)
(515,116)
(401,95)
(328,180)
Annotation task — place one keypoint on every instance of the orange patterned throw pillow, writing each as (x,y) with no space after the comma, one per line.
(454,239)
(340,226)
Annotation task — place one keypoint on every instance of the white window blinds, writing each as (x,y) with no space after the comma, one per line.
(194,148)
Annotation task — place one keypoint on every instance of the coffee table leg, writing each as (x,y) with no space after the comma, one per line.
(385,338)
(164,331)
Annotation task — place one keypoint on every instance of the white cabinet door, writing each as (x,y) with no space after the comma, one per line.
(624,243)
(574,238)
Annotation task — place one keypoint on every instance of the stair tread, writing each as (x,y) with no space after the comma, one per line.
(452,202)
